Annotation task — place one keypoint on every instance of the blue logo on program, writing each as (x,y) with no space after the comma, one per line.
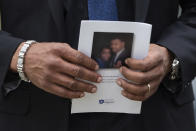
(101,101)
(106,101)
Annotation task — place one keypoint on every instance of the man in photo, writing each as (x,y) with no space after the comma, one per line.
(119,53)
(103,59)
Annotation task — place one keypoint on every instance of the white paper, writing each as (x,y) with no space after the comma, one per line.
(108,97)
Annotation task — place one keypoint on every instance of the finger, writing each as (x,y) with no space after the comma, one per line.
(139,90)
(129,93)
(144,65)
(63,92)
(79,58)
(73,84)
(141,77)
(133,97)
(79,72)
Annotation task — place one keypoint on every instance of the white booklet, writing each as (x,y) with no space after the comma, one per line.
(110,43)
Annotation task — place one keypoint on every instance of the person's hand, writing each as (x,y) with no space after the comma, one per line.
(118,64)
(59,69)
(144,73)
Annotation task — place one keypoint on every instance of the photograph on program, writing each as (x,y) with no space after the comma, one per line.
(110,49)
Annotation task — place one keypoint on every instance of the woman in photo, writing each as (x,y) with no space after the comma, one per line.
(104,58)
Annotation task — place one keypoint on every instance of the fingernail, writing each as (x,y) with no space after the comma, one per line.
(126,61)
(119,82)
(123,93)
(99,79)
(94,90)
(121,69)
(97,67)
(82,95)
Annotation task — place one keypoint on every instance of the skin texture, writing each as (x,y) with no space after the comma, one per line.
(53,68)
(150,70)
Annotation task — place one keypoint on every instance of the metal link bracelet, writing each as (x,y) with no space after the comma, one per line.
(21,57)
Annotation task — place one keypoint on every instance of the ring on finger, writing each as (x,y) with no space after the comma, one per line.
(149,88)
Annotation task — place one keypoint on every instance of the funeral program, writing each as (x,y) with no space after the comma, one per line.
(109,43)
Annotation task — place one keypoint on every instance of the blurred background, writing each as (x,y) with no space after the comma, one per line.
(194,88)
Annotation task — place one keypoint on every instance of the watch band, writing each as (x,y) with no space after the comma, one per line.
(21,57)
(175,69)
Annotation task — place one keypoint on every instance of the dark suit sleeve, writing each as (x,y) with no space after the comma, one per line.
(180,38)
(8,45)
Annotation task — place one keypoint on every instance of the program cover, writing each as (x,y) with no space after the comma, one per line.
(110,43)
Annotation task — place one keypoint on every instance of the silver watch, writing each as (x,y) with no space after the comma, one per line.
(175,69)
(21,57)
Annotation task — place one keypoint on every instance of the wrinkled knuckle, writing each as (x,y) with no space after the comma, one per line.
(73,85)
(58,61)
(125,86)
(66,45)
(61,49)
(52,63)
(57,48)
(79,57)
(130,87)
(76,71)
(91,63)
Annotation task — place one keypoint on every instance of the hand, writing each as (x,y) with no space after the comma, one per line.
(118,64)
(150,70)
(53,67)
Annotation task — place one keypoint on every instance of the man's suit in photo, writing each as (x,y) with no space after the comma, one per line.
(120,58)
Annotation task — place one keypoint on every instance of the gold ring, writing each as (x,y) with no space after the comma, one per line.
(149,88)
